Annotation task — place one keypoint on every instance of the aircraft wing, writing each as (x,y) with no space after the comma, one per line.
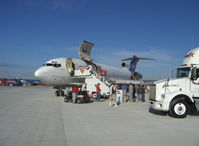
(85,50)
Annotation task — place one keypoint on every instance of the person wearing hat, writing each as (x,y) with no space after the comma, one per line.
(98,90)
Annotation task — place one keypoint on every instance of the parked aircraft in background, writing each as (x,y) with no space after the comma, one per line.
(19,82)
(67,72)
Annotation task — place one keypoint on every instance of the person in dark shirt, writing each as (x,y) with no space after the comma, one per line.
(143,93)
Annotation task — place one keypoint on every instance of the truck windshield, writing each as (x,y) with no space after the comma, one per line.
(183,72)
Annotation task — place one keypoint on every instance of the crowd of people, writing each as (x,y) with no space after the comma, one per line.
(119,93)
(124,93)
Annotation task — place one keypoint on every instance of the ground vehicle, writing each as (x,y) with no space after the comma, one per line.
(179,96)
(82,97)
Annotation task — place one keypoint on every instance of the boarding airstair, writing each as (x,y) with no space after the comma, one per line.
(93,77)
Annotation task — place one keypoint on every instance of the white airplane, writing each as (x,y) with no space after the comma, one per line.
(60,72)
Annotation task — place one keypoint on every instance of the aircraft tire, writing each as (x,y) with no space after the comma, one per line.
(57,93)
(62,93)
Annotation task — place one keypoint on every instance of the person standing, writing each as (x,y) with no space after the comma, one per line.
(74,94)
(132,92)
(124,90)
(120,94)
(117,95)
(112,98)
(81,69)
(138,93)
(98,90)
(143,93)
(84,87)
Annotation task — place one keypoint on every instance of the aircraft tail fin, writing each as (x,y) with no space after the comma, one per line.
(134,61)
(133,64)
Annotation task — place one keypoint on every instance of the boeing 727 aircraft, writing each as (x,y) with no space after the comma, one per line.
(62,72)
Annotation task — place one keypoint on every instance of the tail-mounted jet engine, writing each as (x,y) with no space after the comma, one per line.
(124,65)
(136,76)
(134,60)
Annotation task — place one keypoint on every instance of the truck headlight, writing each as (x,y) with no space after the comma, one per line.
(163,96)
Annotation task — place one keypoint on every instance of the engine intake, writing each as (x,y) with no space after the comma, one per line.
(124,65)
(136,76)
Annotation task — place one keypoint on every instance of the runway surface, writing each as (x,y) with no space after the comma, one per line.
(33,116)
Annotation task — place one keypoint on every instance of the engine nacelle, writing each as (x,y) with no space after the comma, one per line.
(124,65)
(136,76)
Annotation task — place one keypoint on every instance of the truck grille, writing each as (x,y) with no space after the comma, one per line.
(152,92)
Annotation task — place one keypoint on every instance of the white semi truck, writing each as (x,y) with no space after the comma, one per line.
(178,96)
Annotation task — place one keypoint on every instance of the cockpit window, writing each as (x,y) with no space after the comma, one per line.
(57,65)
(51,64)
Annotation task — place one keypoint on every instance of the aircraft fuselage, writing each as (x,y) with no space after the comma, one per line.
(60,72)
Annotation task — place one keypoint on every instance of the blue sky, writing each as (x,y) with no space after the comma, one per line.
(34,31)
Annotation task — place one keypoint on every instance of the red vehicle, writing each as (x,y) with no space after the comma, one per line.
(3,82)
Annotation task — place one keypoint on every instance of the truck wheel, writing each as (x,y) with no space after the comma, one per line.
(179,108)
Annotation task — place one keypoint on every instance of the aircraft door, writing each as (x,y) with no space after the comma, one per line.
(70,66)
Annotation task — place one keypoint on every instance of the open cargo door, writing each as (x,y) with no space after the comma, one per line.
(85,50)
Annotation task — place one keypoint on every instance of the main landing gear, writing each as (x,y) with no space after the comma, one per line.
(59,92)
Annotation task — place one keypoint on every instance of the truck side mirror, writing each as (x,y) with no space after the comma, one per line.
(194,74)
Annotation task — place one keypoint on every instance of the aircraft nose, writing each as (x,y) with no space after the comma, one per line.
(43,75)
(38,74)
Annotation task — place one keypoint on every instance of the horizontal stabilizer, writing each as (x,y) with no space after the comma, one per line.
(137,58)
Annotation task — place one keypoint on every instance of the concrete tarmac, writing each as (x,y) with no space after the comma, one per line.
(33,116)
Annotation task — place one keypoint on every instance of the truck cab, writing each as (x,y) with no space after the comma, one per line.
(178,96)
